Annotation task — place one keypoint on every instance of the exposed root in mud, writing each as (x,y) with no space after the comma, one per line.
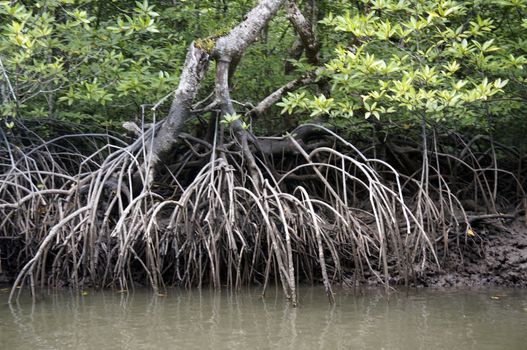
(230,208)
(91,215)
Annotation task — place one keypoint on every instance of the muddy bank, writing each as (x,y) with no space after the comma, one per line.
(496,256)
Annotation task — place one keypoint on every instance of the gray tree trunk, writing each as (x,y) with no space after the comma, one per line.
(227,49)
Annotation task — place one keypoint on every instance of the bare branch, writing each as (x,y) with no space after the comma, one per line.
(274,97)
(305,31)
(193,72)
(240,37)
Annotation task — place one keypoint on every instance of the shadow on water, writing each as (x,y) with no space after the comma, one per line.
(425,319)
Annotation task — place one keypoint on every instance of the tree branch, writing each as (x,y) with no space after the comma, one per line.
(274,97)
(244,34)
(193,72)
(305,30)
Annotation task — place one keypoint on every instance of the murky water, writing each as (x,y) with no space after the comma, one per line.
(425,319)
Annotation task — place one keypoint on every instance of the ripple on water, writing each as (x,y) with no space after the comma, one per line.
(424,319)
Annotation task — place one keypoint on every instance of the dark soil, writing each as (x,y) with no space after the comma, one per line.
(496,256)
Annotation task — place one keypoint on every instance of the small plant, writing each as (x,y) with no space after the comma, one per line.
(229,119)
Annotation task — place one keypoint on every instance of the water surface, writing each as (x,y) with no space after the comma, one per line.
(423,319)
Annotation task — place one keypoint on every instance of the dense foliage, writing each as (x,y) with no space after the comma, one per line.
(103,60)
(414,141)
(455,62)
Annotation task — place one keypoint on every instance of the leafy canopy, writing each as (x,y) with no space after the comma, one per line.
(454,62)
(459,63)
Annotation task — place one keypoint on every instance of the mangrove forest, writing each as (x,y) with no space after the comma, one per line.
(264,143)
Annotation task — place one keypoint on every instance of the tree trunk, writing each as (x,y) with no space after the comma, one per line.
(193,72)
(226,52)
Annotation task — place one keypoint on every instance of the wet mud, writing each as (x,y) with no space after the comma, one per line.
(495,256)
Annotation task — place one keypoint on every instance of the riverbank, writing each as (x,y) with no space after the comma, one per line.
(496,256)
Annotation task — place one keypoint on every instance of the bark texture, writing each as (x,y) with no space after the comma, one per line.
(193,72)
(274,97)
(304,29)
(227,52)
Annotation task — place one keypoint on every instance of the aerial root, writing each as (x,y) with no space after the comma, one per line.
(96,218)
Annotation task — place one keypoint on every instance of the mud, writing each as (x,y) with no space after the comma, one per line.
(496,256)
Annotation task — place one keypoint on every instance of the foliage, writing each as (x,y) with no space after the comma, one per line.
(455,62)
(459,63)
(65,62)
(97,60)
(230,207)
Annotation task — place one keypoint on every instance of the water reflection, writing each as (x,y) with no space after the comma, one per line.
(223,320)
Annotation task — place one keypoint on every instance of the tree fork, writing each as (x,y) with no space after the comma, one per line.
(226,48)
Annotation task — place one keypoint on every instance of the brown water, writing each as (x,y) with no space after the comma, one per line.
(424,319)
